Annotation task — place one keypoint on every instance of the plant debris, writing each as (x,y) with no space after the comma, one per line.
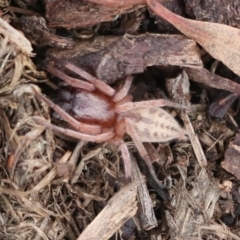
(218,11)
(213,37)
(112,58)
(231,161)
(37,31)
(80,14)
(194,208)
(15,37)
(56,187)
(120,208)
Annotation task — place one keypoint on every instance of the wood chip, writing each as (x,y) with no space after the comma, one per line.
(121,207)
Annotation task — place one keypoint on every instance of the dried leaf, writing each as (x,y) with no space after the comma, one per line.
(220,41)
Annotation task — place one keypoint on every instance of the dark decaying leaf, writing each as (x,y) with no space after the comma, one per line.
(221,105)
(111,58)
(231,162)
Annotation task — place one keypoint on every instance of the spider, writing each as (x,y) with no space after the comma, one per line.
(99,113)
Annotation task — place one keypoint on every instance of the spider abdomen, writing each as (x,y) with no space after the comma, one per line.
(155,125)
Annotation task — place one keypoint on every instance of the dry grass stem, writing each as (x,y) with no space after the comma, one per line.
(185,223)
(218,230)
(16,37)
(81,165)
(43,183)
(199,153)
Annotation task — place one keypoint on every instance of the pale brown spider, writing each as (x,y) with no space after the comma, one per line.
(100,114)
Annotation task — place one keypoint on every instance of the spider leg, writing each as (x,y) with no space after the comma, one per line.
(71,81)
(141,149)
(102,86)
(92,129)
(82,136)
(124,90)
(150,103)
(126,159)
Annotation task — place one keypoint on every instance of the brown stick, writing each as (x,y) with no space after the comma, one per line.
(116,3)
(212,80)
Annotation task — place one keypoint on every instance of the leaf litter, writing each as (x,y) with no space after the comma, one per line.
(48,193)
(220,41)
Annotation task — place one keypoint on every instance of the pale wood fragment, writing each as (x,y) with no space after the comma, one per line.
(121,207)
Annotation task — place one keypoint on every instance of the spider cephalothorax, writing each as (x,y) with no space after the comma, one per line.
(98,113)
(89,107)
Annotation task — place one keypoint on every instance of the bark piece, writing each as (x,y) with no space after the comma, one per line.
(231,162)
(179,90)
(111,58)
(145,211)
(213,37)
(212,80)
(151,180)
(37,31)
(226,12)
(80,14)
